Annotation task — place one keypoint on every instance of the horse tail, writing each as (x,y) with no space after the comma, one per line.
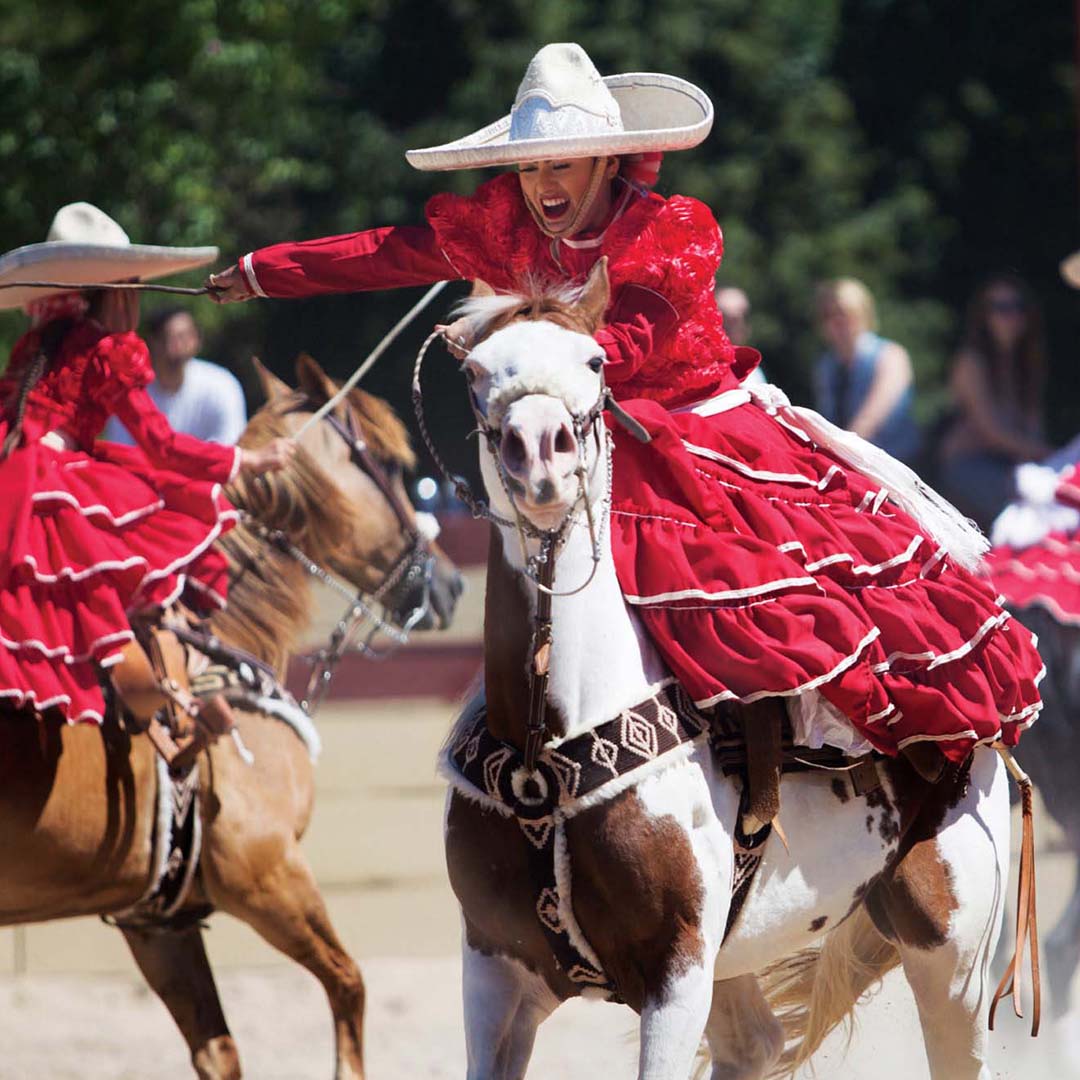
(816,989)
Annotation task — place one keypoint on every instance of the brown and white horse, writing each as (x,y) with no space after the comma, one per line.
(903,875)
(77,803)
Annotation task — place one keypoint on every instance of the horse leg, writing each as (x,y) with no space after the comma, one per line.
(175,965)
(745,1038)
(942,908)
(504,1005)
(283,904)
(673,1022)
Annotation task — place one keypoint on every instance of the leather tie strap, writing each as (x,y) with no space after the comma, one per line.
(1026,924)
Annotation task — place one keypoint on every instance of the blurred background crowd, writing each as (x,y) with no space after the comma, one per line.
(896,181)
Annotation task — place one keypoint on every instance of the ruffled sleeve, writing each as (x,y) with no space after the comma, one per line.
(489,235)
(122,373)
(123,363)
(673,248)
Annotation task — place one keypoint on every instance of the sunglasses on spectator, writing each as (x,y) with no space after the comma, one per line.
(1015,306)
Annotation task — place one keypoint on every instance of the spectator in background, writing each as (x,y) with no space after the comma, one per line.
(734,306)
(863,382)
(996,383)
(198,398)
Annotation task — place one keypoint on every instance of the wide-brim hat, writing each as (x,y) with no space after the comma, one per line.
(1070,269)
(566,109)
(84,246)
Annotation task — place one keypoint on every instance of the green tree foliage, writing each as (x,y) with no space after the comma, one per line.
(913,144)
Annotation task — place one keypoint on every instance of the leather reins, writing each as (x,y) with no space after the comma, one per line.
(415,564)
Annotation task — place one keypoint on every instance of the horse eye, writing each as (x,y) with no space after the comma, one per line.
(596,363)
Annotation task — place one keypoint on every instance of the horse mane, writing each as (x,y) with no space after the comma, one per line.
(559,304)
(269,598)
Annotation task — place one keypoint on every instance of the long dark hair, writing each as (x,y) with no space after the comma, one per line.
(50,338)
(1019,375)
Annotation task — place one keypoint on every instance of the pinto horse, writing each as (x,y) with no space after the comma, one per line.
(77,803)
(634,900)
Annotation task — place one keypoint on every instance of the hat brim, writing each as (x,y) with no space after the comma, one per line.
(1070,269)
(66,261)
(659,112)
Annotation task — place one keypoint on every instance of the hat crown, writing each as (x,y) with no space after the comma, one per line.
(563,95)
(84,223)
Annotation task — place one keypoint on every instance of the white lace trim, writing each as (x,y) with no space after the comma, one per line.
(722,594)
(98,510)
(29,696)
(64,651)
(762,474)
(812,684)
(935,660)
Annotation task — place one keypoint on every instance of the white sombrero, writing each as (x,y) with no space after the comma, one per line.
(1070,269)
(566,109)
(85,245)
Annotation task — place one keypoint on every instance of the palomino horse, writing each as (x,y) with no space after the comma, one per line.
(634,898)
(77,803)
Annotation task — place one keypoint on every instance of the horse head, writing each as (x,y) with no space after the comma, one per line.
(342,502)
(536,378)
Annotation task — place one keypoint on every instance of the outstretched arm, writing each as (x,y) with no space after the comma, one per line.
(387,258)
(169,449)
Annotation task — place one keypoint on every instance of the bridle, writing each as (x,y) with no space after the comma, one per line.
(539,568)
(361,621)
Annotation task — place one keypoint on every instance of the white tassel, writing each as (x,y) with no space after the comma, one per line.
(936,516)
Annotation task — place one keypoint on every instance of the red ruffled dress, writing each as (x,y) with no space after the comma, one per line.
(761,565)
(92,533)
(1039,566)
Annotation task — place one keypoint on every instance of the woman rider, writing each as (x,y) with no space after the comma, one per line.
(763,563)
(97,538)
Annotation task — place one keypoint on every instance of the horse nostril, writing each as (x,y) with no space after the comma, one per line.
(565,443)
(513,451)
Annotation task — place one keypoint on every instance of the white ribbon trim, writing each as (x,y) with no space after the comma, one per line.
(98,509)
(248,269)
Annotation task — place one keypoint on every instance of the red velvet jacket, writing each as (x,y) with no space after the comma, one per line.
(664,337)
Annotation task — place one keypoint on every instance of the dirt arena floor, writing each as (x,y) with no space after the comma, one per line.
(72,1005)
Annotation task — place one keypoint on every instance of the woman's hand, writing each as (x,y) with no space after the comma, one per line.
(456,337)
(228,287)
(273,456)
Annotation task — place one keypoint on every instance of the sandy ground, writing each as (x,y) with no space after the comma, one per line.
(72,1005)
(86,1028)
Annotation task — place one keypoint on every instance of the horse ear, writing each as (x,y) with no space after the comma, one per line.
(481,288)
(595,295)
(271,385)
(313,380)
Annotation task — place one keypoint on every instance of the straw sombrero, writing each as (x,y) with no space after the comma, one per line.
(85,245)
(566,109)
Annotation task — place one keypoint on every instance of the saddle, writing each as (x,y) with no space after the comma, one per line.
(153,688)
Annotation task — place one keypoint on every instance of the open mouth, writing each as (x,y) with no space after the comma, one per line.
(554,207)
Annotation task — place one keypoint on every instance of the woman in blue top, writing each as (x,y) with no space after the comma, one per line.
(863,382)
